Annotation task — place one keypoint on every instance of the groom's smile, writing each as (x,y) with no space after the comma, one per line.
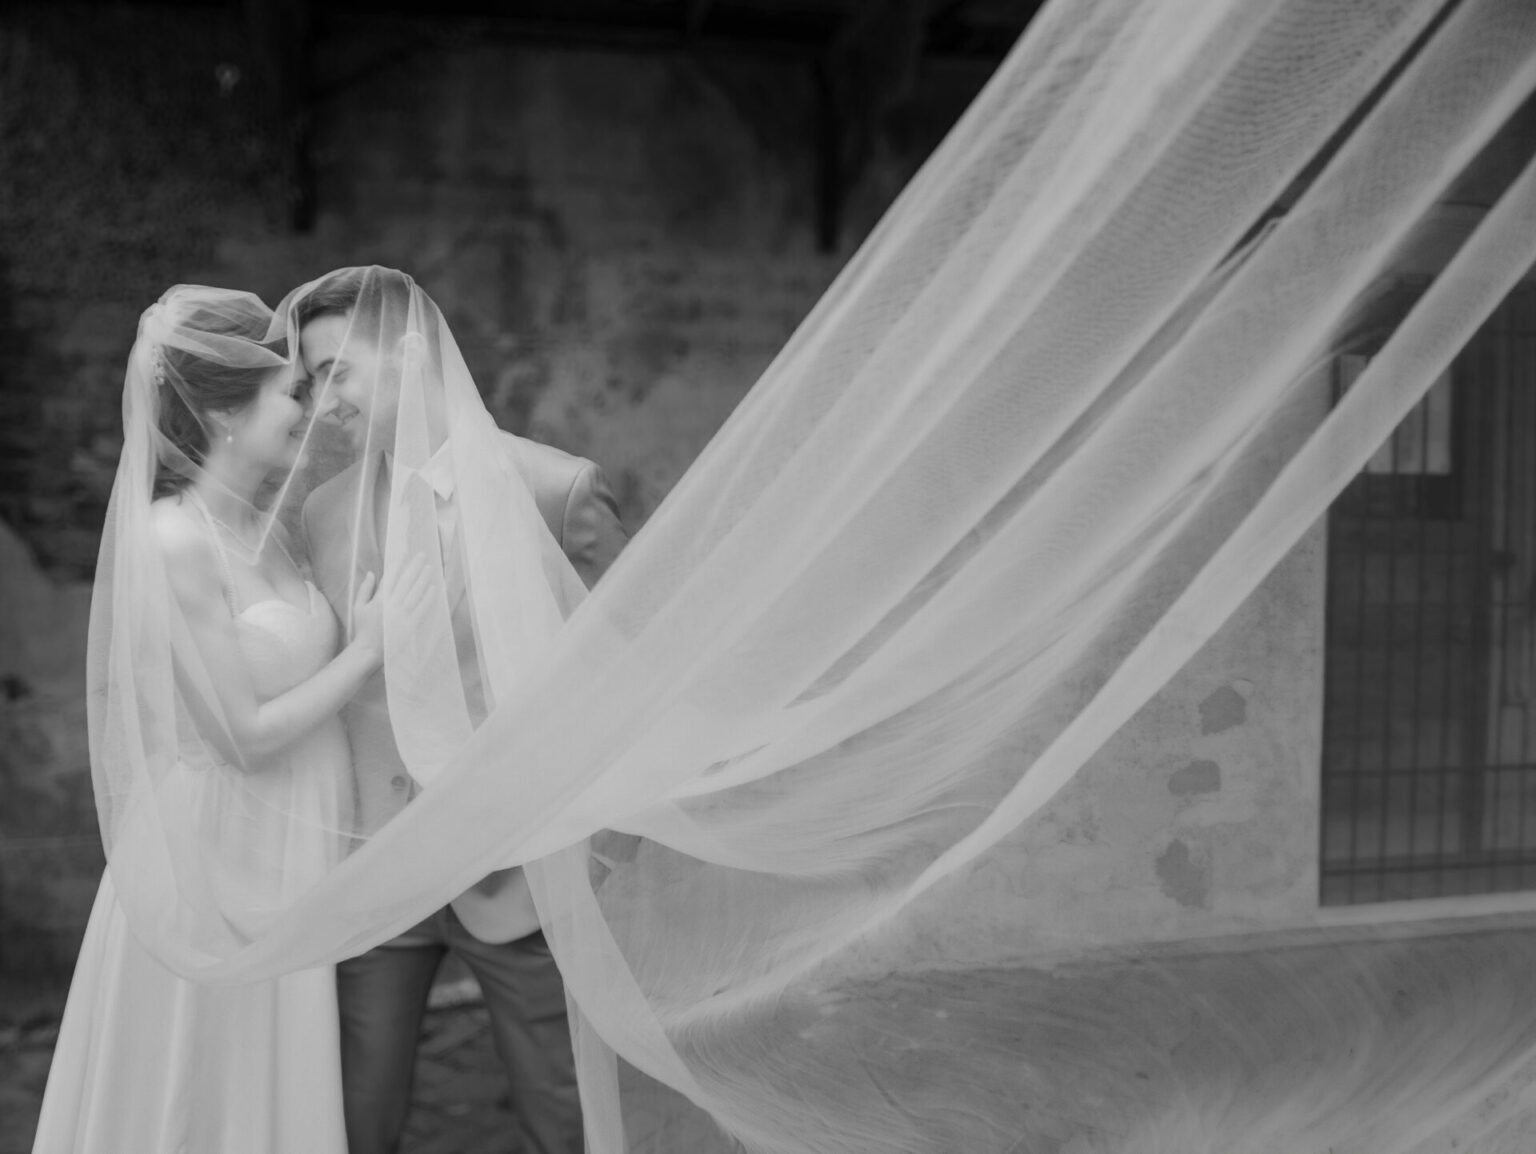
(340,413)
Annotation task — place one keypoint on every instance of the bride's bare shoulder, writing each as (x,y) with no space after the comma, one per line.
(182,536)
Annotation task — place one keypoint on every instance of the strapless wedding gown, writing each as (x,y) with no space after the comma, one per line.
(149,1063)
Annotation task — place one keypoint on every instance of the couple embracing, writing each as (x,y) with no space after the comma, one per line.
(283,655)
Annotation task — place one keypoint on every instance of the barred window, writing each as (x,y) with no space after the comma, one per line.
(1429,731)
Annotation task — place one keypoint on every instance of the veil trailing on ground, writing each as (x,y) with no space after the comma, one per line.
(1028,453)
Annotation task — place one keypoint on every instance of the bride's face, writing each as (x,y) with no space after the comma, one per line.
(269,431)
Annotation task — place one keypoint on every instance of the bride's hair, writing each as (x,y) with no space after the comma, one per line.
(192,387)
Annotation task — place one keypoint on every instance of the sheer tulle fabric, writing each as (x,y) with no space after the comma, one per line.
(1000,485)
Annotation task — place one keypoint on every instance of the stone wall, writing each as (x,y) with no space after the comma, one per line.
(621,242)
(123,164)
(1200,817)
(50,854)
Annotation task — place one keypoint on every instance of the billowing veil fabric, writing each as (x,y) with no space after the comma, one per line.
(998,488)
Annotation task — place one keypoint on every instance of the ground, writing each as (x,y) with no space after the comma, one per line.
(459,1105)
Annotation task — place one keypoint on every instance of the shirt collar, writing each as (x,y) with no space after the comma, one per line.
(438,472)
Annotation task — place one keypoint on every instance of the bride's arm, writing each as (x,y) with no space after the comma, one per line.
(246,727)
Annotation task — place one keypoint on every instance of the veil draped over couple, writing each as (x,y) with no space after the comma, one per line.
(353,703)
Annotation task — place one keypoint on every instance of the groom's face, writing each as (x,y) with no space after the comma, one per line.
(350,386)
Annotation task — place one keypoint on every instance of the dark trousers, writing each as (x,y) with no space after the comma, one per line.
(383,996)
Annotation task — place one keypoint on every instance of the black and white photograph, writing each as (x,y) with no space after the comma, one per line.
(768,577)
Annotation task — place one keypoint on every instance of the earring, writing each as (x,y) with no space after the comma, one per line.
(229,438)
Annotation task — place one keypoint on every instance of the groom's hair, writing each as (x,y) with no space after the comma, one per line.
(334,297)
(376,294)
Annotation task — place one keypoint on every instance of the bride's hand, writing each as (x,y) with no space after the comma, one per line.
(406,591)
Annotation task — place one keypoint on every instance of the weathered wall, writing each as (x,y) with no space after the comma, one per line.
(50,854)
(1198,816)
(620,242)
(123,163)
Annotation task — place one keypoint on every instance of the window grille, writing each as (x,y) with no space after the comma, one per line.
(1429,719)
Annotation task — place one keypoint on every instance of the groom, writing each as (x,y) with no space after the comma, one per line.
(493,926)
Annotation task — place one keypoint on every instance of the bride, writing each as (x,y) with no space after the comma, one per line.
(251,777)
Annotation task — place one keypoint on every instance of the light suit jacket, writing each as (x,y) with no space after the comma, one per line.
(580,511)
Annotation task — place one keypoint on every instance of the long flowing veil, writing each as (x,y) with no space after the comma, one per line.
(1048,429)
